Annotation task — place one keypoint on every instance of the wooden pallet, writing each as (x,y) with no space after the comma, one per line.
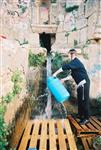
(87,143)
(48,135)
(91,128)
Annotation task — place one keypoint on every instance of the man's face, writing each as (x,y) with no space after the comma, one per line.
(72,55)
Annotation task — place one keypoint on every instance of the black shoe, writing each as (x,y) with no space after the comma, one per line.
(79,117)
(84,121)
(76,116)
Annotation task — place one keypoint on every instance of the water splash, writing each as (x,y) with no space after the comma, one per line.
(41,96)
(59,111)
(64,108)
(48,108)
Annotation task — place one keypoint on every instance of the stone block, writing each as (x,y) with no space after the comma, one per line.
(61,42)
(73,2)
(13,57)
(44,15)
(97,33)
(93,65)
(54,13)
(81,10)
(68,22)
(91,7)
(71,38)
(83,35)
(33,15)
(81,23)
(33,37)
(91,25)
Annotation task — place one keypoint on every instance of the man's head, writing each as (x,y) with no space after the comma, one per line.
(72,53)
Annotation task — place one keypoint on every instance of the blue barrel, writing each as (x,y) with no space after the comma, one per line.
(57,89)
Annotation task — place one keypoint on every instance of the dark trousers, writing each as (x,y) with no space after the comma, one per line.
(83,100)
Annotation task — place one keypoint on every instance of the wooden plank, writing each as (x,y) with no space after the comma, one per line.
(26,136)
(91,126)
(86,129)
(74,122)
(52,136)
(89,141)
(70,135)
(85,144)
(43,137)
(87,135)
(61,138)
(95,124)
(35,137)
(96,120)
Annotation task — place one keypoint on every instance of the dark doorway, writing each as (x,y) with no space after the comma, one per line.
(46,40)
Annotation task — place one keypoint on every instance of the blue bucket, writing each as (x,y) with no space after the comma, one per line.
(57,89)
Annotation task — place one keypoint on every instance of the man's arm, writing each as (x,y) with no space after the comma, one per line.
(57,72)
(66,78)
(63,79)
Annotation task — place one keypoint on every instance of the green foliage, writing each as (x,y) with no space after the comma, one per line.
(98,139)
(71,8)
(2,109)
(57,61)
(17,89)
(74,29)
(53,1)
(36,59)
(98,105)
(8,97)
(17,80)
(97,142)
(22,8)
(16,77)
(3,129)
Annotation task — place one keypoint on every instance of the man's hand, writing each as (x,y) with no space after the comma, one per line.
(57,72)
(54,75)
(66,79)
(62,80)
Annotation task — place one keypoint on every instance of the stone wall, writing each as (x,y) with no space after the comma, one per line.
(16,39)
(13,58)
(87,24)
(33,76)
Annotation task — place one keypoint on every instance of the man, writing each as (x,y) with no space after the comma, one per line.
(79,74)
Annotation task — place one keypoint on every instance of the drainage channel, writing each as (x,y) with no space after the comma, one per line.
(46,107)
